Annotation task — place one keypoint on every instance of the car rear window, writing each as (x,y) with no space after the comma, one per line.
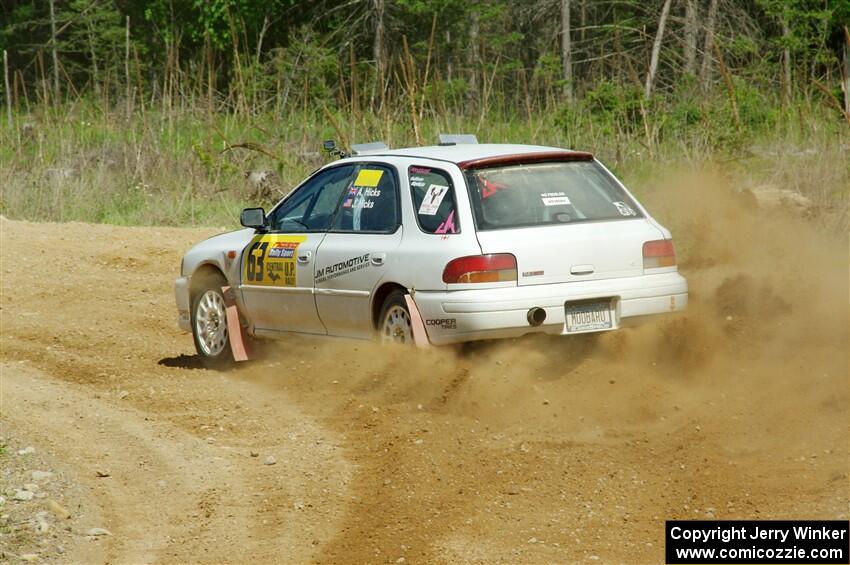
(546,193)
(433,200)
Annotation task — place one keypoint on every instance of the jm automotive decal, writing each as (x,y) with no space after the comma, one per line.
(270,260)
(342,268)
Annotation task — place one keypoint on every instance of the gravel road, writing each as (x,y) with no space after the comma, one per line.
(532,450)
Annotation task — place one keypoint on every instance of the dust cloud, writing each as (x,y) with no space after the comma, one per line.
(768,317)
(736,408)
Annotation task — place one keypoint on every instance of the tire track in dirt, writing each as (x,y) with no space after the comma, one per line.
(181,439)
(153,501)
(175,495)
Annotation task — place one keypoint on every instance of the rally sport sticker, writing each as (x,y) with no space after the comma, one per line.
(269,260)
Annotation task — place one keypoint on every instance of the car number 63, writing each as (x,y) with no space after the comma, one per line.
(256,260)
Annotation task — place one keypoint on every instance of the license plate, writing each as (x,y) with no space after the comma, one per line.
(588,316)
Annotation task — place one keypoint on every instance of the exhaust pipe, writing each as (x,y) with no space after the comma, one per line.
(536,316)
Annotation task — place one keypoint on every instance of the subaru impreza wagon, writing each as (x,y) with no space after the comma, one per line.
(434,245)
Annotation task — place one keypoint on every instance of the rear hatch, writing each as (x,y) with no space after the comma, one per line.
(577,252)
(564,219)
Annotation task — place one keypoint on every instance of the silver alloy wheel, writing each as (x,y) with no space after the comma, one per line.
(397,327)
(211,323)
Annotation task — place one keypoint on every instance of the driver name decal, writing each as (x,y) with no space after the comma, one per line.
(269,260)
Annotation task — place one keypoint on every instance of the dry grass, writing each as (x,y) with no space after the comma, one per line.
(86,164)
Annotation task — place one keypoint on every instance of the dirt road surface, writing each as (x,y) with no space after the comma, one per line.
(533,450)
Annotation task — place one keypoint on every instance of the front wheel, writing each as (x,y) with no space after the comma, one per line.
(395,324)
(209,325)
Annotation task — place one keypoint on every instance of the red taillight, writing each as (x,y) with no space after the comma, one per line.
(659,253)
(495,267)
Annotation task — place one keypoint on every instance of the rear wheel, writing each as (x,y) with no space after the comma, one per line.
(209,325)
(395,325)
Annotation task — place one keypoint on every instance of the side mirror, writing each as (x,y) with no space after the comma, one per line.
(253,218)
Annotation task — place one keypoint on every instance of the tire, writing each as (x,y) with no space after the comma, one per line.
(209,325)
(394,323)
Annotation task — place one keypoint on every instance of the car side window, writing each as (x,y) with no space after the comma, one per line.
(312,206)
(433,200)
(370,201)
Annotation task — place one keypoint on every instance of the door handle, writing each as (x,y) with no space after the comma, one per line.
(581,269)
(305,257)
(378,258)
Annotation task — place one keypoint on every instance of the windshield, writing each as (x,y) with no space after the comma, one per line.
(546,193)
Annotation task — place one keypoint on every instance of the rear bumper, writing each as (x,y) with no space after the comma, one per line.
(467,315)
(181,294)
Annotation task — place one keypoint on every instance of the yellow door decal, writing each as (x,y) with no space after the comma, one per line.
(270,260)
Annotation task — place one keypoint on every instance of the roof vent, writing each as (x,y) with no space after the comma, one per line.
(458,139)
(368,148)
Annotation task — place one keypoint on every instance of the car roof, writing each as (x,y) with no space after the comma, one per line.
(463,152)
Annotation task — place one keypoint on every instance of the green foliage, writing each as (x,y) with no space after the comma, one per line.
(610,107)
(614,102)
(100,37)
(250,56)
(810,23)
(756,110)
(305,61)
(548,67)
(684,114)
(219,21)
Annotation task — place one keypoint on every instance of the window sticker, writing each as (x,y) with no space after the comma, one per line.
(449,225)
(555,199)
(432,200)
(489,188)
(349,198)
(368,177)
(624,209)
(360,197)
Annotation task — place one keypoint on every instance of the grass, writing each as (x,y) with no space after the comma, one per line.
(86,163)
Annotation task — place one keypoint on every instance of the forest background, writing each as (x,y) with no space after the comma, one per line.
(180,112)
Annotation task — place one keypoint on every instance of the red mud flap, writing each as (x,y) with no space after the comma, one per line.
(420,337)
(235,331)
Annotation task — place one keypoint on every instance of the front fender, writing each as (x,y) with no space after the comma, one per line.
(214,251)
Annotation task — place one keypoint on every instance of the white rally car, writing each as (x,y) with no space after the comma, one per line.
(434,245)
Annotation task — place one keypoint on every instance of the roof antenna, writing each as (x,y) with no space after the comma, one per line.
(330,147)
